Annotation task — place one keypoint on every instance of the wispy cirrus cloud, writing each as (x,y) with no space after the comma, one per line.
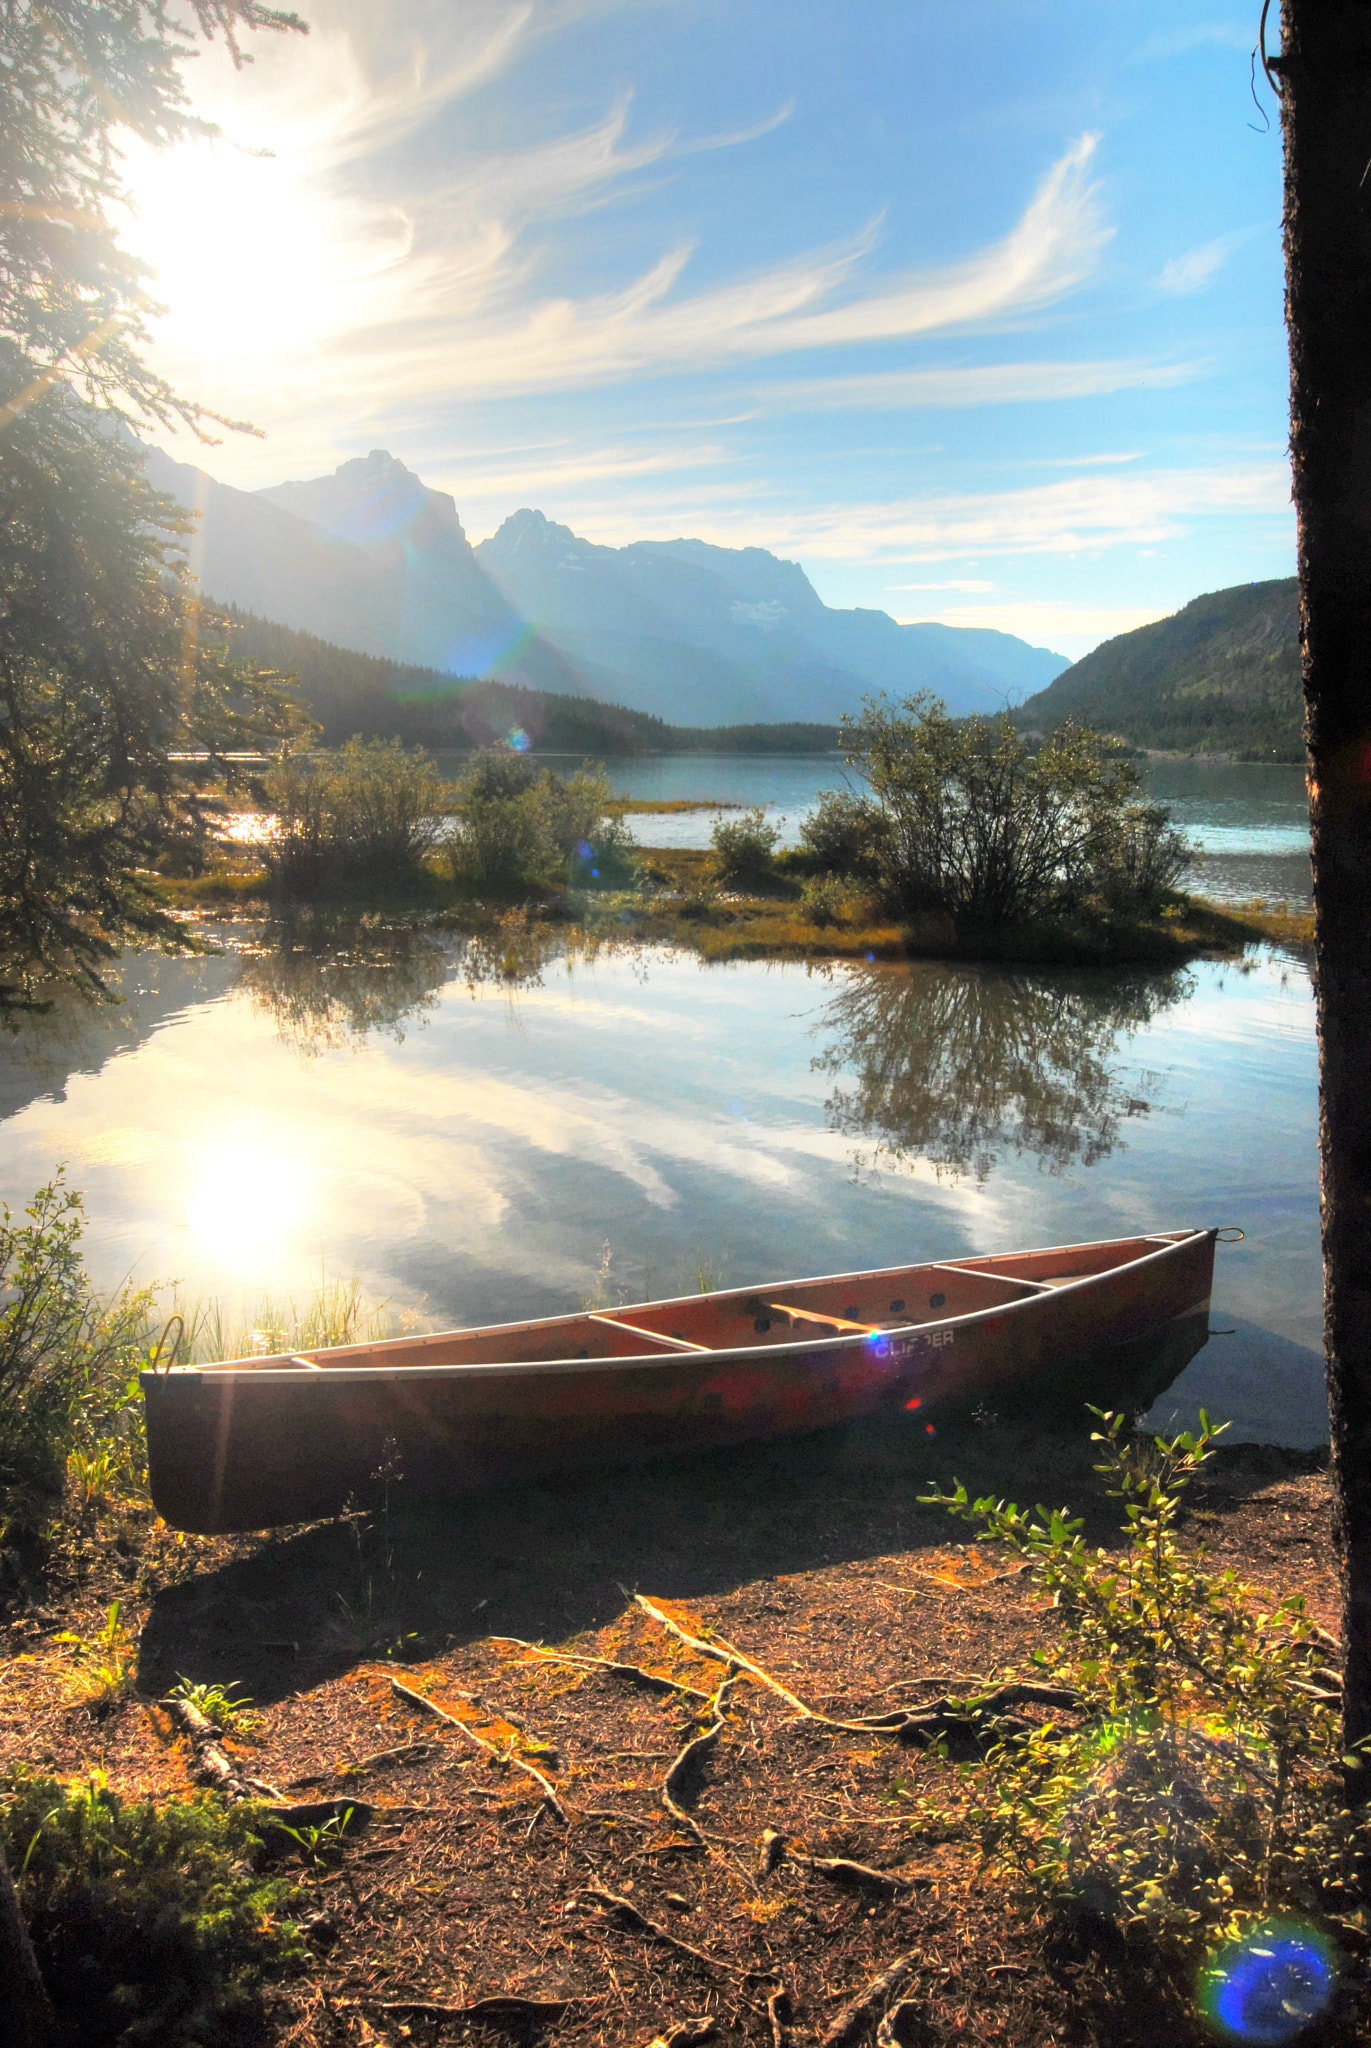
(1083,515)
(974,384)
(1199,267)
(819,300)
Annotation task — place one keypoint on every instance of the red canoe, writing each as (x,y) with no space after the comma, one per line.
(256,1442)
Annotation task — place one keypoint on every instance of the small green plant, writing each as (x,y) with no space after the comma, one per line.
(218,1703)
(744,848)
(318,1842)
(1196,1789)
(68,1364)
(823,899)
(107,1659)
(149,1922)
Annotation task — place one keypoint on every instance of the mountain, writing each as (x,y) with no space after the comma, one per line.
(1220,676)
(388,571)
(358,693)
(371,558)
(681,627)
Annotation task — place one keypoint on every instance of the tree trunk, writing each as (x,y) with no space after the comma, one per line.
(26,2017)
(1325,73)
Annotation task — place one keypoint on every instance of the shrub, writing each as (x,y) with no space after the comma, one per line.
(841,835)
(521,827)
(977,825)
(367,813)
(1139,859)
(148,1922)
(744,848)
(822,897)
(1198,1791)
(68,1362)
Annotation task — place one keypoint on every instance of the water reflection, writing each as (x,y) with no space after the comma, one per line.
(326,981)
(959,1065)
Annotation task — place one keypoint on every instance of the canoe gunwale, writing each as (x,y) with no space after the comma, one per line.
(671,1355)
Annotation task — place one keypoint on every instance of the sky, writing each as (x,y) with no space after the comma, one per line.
(975,311)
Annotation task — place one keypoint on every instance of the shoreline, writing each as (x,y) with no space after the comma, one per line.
(681,904)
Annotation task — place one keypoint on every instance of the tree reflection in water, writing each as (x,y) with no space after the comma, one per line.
(329,979)
(956,1065)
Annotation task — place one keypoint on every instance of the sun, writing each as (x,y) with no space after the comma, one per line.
(258,262)
(249,1201)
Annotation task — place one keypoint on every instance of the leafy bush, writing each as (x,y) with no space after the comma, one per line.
(744,848)
(521,827)
(841,835)
(1199,1790)
(1139,859)
(822,896)
(976,824)
(149,1924)
(68,1362)
(367,813)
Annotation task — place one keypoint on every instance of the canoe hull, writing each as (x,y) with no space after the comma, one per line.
(253,1447)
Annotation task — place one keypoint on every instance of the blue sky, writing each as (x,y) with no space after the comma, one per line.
(973,310)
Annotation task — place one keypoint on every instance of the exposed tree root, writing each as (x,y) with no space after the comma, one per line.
(634,1673)
(858,2011)
(625,1910)
(778,2010)
(686,2033)
(690,1759)
(500,2006)
(501,1756)
(724,1653)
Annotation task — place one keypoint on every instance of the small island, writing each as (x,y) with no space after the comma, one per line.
(970,839)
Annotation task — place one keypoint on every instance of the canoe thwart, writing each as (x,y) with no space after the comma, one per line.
(672,1343)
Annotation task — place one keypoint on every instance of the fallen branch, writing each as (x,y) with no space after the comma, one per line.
(842,1871)
(501,1756)
(634,1673)
(628,1912)
(855,2014)
(212,1762)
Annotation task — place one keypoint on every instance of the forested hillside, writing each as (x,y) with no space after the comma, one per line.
(359,693)
(1221,676)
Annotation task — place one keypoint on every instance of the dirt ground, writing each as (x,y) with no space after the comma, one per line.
(641,1895)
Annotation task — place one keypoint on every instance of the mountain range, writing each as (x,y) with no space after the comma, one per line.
(1220,676)
(374,560)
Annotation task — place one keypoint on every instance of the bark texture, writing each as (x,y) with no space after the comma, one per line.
(1325,74)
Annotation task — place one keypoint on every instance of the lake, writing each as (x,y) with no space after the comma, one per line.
(483,1130)
(1250,820)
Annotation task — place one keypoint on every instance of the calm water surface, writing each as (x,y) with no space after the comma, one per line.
(476,1129)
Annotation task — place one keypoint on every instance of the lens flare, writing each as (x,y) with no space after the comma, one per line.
(519,739)
(1268,1986)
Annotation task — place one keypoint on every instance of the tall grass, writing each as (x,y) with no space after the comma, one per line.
(336,1312)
